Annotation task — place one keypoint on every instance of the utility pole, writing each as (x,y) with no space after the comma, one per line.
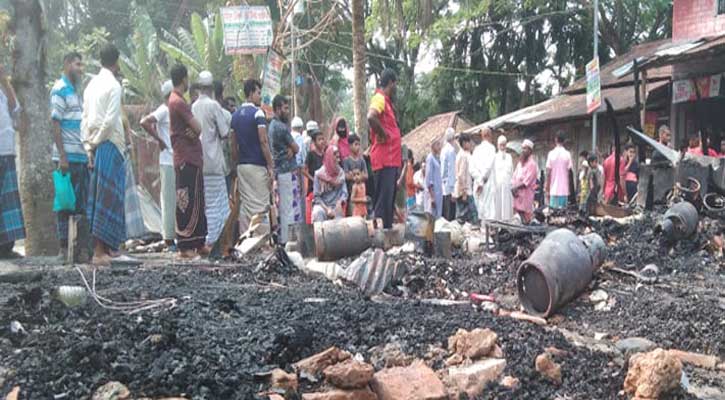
(293,69)
(596,54)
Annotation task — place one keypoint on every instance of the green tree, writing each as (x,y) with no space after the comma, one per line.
(200,48)
(142,66)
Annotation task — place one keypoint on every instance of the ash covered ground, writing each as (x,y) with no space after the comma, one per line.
(231,323)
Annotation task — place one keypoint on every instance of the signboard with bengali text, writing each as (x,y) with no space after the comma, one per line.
(247,29)
(594,86)
(271,79)
(707,86)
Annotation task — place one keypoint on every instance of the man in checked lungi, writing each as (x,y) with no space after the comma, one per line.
(68,153)
(104,140)
(12,226)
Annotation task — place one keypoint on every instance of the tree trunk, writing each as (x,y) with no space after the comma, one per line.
(34,163)
(358,63)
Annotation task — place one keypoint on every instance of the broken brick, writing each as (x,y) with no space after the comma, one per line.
(283,380)
(112,391)
(548,368)
(698,360)
(415,382)
(357,394)
(472,379)
(474,344)
(652,374)
(510,382)
(349,374)
(314,365)
(556,352)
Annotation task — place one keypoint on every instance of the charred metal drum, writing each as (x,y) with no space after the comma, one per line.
(340,238)
(560,268)
(679,222)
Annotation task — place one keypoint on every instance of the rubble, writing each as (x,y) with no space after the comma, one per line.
(698,360)
(635,345)
(349,374)
(472,379)
(336,394)
(390,355)
(317,363)
(281,380)
(510,382)
(112,391)
(548,368)
(652,374)
(415,382)
(474,344)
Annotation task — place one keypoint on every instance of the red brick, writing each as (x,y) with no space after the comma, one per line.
(415,382)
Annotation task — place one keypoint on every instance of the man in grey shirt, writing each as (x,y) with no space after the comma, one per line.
(215,123)
(284,149)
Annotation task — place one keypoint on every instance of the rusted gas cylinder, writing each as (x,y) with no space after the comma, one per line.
(680,222)
(340,238)
(560,268)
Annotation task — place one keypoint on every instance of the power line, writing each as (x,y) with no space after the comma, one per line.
(443,67)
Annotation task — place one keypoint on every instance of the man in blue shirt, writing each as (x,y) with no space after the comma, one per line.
(252,155)
(66,108)
(284,149)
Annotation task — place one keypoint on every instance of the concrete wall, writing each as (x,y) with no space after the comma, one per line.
(696,18)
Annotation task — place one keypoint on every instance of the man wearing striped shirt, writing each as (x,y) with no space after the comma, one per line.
(66,109)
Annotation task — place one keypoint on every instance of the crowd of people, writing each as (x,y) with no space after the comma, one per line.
(212,151)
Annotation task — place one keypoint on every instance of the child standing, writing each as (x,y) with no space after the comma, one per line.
(358,198)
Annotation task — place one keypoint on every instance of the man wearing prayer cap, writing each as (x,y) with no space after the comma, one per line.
(482,172)
(448,174)
(503,169)
(215,125)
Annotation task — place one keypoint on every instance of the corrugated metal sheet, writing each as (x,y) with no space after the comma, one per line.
(565,107)
(640,52)
(690,51)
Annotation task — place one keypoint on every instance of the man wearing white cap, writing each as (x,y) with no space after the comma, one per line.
(503,168)
(482,173)
(157,126)
(215,125)
(523,184)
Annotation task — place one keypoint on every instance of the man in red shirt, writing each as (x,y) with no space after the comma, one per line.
(385,151)
(191,226)
(610,180)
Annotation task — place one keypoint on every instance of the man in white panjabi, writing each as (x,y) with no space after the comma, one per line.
(482,173)
(503,169)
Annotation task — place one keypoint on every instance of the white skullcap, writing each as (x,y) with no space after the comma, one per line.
(502,139)
(166,88)
(312,126)
(450,134)
(297,123)
(205,78)
(528,143)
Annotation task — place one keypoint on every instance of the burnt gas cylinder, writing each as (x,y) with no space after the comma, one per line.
(680,222)
(560,268)
(340,238)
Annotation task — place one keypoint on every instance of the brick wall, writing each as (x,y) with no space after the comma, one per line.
(696,18)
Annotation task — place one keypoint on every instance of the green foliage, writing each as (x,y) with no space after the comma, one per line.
(200,49)
(141,67)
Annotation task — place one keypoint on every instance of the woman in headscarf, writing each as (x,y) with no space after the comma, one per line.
(329,188)
(340,132)
(503,169)
(524,182)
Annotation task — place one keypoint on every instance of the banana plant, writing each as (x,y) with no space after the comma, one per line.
(200,49)
(141,67)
